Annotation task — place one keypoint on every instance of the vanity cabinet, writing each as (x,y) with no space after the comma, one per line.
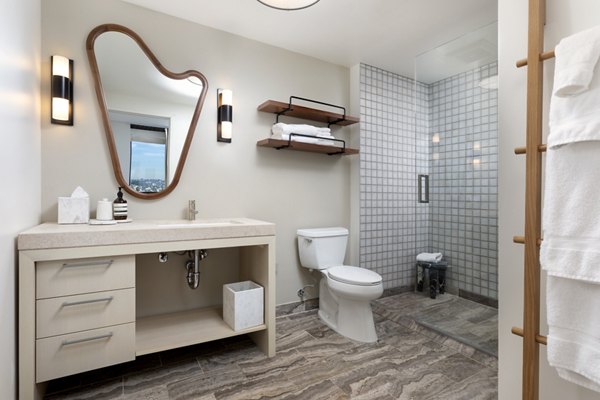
(85,315)
(77,294)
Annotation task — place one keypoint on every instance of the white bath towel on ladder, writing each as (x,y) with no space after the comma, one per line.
(570,251)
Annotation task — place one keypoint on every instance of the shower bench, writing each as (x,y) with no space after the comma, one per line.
(437,277)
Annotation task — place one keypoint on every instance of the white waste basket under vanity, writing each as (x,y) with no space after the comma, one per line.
(243,305)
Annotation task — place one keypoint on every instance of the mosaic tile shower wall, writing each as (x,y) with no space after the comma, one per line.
(464,179)
(393,227)
(448,130)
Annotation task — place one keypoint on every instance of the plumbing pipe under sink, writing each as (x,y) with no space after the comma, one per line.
(193,268)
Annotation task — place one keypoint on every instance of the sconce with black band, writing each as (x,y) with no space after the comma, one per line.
(61,89)
(225,115)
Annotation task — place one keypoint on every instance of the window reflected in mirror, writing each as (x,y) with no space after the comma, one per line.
(143,147)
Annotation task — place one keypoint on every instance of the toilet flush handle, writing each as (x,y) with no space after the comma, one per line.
(308,240)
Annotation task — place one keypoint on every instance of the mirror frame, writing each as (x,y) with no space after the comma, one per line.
(93,35)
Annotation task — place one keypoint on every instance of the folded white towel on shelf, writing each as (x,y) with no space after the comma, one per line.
(285,129)
(320,138)
(302,139)
(429,257)
(574,330)
(326,142)
(576,93)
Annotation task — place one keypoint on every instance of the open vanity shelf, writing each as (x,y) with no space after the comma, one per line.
(184,328)
(313,114)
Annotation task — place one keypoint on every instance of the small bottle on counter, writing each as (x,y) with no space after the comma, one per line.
(120,206)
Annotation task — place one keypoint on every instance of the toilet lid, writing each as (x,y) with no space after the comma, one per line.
(354,275)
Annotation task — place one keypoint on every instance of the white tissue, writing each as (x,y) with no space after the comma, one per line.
(79,192)
(74,209)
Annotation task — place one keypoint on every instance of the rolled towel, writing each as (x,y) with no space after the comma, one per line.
(429,257)
(285,129)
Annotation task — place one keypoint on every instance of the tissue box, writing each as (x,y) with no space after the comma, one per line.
(243,305)
(73,210)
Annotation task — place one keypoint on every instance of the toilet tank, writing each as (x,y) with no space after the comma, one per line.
(321,248)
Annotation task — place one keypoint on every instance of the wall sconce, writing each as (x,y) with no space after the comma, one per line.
(225,115)
(62,90)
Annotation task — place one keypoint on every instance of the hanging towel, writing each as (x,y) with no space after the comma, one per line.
(574,335)
(571,216)
(285,129)
(576,94)
(429,257)
(570,251)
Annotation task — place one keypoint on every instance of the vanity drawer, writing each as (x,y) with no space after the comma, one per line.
(60,315)
(64,355)
(85,275)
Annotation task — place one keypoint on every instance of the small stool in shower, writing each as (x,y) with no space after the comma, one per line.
(437,276)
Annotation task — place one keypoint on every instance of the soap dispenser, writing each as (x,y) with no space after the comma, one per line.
(120,207)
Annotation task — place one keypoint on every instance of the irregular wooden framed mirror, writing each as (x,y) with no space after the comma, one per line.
(149,113)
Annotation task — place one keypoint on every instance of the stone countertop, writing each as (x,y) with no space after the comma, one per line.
(51,235)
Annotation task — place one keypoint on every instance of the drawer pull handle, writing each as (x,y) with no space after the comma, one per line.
(70,342)
(78,303)
(94,263)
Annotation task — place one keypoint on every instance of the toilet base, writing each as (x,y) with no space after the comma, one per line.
(348,317)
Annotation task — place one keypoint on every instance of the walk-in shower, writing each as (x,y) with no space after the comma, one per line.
(438,129)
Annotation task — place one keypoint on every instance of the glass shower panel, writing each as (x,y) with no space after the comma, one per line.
(457,147)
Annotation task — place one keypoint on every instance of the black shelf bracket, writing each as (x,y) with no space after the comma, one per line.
(290,107)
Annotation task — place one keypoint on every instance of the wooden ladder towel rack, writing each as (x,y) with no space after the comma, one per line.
(533,199)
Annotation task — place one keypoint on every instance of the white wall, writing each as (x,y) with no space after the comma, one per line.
(19,159)
(563,19)
(292,189)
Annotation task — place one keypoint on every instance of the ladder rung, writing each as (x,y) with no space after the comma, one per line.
(538,338)
(523,150)
(543,57)
(521,240)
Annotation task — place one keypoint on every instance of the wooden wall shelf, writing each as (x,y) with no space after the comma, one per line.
(313,114)
(309,147)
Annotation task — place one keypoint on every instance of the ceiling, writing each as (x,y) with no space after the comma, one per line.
(388,34)
(472,50)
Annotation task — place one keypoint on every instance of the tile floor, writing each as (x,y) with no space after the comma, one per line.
(409,362)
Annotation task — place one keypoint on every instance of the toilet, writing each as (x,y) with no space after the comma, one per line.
(345,291)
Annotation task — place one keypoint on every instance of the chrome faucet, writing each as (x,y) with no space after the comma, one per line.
(192,210)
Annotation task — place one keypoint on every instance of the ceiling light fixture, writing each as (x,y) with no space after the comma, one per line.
(288,5)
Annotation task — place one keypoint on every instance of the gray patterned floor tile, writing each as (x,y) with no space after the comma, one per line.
(153,393)
(112,389)
(283,362)
(408,362)
(324,390)
(203,385)
(264,387)
(481,386)
(145,380)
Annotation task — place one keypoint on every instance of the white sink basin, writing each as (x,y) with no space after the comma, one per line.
(199,224)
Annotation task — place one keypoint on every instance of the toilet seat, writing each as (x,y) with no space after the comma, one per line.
(354,275)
